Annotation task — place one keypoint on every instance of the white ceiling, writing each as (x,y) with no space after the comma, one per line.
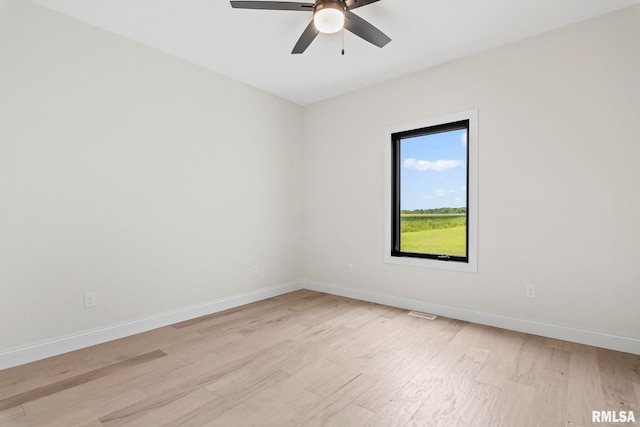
(254,46)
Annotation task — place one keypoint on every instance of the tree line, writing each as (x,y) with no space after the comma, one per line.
(462,210)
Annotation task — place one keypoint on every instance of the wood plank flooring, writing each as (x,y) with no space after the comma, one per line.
(312,359)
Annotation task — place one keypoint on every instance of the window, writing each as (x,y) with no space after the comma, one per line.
(431,194)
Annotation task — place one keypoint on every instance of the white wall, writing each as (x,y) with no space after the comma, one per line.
(153,182)
(558,174)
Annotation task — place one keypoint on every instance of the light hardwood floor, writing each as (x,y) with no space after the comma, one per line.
(311,359)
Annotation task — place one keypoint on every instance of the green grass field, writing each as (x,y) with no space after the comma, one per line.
(435,234)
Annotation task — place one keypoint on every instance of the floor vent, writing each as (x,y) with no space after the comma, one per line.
(422,315)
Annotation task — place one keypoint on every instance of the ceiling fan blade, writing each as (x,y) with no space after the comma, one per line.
(272,5)
(365,30)
(306,38)
(352,4)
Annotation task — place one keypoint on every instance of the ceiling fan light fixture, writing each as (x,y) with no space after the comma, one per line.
(328,16)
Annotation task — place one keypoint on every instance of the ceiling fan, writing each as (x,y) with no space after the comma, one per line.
(329,16)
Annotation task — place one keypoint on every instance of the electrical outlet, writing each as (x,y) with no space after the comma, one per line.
(349,268)
(89,299)
(531,291)
(256,270)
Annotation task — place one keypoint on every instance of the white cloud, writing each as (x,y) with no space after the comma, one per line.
(438,165)
(463,138)
(441,192)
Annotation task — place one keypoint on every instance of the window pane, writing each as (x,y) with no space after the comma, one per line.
(431,195)
(433,192)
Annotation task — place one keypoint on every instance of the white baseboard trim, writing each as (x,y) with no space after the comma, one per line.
(566,333)
(54,347)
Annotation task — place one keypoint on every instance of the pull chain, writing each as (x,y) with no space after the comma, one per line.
(342,41)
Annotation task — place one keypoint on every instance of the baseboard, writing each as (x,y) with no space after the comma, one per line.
(54,347)
(566,333)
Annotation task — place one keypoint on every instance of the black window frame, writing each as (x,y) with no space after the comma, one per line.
(396,185)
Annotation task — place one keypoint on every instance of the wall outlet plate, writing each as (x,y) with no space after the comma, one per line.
(530,291)
(89,299)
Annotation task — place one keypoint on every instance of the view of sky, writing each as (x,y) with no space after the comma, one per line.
(433,171)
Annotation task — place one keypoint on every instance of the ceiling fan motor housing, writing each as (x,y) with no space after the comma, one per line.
(334,4)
